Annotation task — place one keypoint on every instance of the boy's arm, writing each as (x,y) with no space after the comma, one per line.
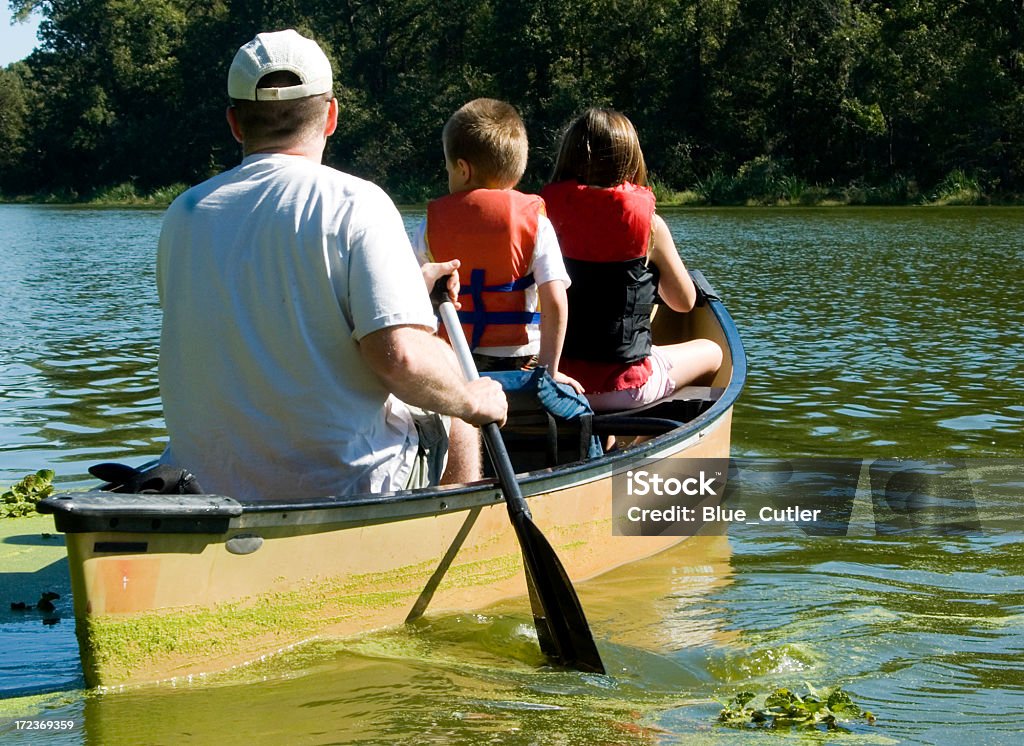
(552,280)
(554,315)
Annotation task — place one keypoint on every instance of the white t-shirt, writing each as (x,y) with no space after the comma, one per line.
(546,265)
(269,274)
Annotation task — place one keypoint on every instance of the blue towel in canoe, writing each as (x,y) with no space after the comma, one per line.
(530,389)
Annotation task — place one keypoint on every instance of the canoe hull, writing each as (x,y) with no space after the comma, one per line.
(188,604)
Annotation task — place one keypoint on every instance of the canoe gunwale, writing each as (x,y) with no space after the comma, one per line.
(93,511)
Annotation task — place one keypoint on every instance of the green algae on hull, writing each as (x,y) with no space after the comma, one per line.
(120,647)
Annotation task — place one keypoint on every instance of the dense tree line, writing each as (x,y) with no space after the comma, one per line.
(730,96)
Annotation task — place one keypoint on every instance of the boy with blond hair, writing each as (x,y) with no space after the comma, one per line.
(513,294)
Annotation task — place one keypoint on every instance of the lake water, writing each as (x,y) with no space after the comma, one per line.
(871,334)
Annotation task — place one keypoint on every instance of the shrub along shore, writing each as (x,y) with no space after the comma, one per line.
(759,183)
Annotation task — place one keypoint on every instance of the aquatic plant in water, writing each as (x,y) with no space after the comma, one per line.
(22,497)
(786,709)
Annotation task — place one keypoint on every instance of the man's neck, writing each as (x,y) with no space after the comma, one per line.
(312,150)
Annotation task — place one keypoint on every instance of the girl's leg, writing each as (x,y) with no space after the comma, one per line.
(695,361)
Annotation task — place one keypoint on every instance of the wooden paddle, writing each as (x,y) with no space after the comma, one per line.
(562,629)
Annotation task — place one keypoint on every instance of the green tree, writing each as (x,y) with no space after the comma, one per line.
(13,113)
(108,70)
(786,86)
(844,91)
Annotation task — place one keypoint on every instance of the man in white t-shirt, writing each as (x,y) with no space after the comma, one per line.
(296,322)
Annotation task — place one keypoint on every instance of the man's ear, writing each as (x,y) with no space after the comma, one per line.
(332,118)
(232,116)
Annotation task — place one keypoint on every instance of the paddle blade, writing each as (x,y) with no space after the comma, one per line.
(562,629)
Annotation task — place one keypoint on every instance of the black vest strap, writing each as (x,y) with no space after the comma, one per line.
(611,305)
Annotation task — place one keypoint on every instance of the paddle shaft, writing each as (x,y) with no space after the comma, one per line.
(492,435)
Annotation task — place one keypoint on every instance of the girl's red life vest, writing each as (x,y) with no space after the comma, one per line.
(604,234)
(493,232)
(600,225)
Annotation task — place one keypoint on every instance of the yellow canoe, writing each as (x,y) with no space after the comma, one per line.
(167,586)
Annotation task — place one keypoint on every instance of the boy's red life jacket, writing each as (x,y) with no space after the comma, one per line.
(493,232)
(604,235)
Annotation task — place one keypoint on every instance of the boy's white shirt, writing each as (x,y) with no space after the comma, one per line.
(546,266)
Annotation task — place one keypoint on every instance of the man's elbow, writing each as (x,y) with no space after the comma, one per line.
(392,354)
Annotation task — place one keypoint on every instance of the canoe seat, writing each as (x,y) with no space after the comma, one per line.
(548,423)
(685,403)
(661,416)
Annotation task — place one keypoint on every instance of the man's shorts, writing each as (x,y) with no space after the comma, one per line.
(432,455)
(658,386)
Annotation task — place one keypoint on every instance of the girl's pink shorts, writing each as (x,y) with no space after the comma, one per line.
(658,386)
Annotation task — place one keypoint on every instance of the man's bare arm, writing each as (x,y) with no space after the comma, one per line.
(421,370)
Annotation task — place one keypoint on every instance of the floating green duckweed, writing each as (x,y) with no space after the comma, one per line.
(822,710)
(21,498)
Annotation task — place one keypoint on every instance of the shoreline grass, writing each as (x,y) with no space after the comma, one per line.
(120,195)
(759,185)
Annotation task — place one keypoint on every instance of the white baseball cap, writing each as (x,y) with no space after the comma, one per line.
(273,52)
